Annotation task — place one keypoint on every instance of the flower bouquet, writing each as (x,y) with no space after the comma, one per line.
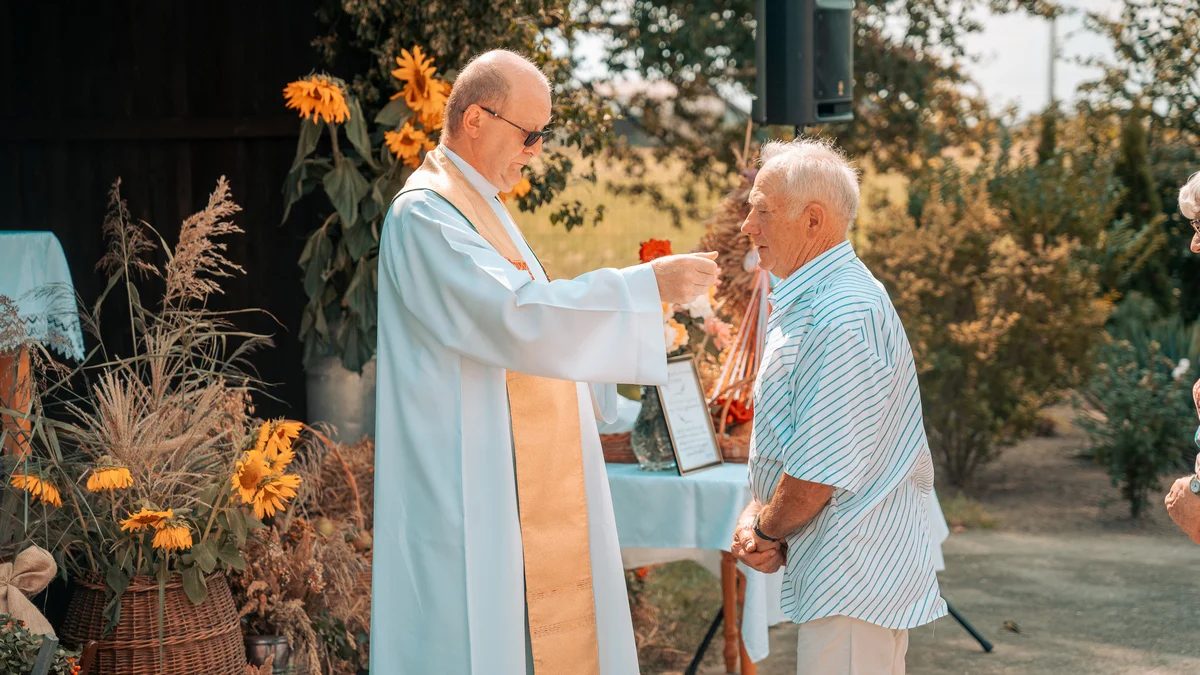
(150,469)
(694,328)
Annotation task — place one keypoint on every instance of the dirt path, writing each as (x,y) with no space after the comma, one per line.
(1093,592)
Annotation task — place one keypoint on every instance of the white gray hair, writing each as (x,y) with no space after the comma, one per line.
(483,82)
(1189,198)
(814,170)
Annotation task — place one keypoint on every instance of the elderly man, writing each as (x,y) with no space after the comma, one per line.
(839,463)
(495,546)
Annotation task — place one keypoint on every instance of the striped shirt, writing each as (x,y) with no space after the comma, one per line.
(837,403)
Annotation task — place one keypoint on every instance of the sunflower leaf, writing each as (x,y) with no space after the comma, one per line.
(205,557)
(230,555)
(356,129)
(395,113)
(346,187)
(310,135)
(237,524)
(193,585)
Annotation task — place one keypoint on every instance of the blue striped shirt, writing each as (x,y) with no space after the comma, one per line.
(837,403)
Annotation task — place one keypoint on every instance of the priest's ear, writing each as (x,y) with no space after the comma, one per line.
(472,121)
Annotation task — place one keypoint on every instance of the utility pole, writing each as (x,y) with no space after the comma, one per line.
(1053,58)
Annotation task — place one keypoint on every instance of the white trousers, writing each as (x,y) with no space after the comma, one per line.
(840,645)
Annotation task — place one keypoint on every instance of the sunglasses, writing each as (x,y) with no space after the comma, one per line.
(531,137)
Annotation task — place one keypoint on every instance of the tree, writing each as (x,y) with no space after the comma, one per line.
(1153,74)
(360,175)
(910,99)
(1000,303)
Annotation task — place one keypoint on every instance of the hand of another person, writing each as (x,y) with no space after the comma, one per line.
(767,557)
(683,278)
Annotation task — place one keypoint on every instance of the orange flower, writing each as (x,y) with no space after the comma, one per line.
(654,248)
(38,488)
(276,443)
(738,413)
(521,189)
(318,96)
(435,105)
(406,143)
(274,494)
(251,472)
(139,521)
(173,536)
(109,478)
(416,72)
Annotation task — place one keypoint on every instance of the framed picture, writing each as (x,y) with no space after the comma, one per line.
(693,439)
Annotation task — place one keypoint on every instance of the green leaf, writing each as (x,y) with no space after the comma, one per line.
(254,523)
(232,556)
(205,557)
(116,581)
(395,113)
(310,135)
(293,189)
(315,259)
(193,585)
(237,524)
(360,239)
(356,130)
(346,187)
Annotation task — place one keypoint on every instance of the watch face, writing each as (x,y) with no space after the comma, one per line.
(1195,485)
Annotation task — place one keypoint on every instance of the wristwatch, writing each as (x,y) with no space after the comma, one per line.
(759,533)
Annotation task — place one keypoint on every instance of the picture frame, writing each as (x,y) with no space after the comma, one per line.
(693,438)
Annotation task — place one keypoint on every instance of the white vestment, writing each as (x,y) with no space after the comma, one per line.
(448,592)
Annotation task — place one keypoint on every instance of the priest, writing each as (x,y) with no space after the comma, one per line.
(495,546)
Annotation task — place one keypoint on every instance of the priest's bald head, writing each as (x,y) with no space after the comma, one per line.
(497,115)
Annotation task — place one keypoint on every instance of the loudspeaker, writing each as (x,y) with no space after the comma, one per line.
(804,57)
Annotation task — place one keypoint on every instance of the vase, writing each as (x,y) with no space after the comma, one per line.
(650,438)
(342,398)
(261,647)
(203,639)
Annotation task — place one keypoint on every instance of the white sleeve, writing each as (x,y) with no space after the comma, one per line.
(604,326)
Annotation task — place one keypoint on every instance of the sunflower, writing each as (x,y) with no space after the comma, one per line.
(416,72)
(136,522)
(251,472)
(173,535)
(39,488)
(406,143)
(109,478)
(275,443)
(318,97)
(435,105)
(519,190)
(274,494)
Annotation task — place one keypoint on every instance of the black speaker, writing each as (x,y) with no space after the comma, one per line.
(804,57)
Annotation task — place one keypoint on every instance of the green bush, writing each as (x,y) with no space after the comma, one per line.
(19,649)
(1141,420)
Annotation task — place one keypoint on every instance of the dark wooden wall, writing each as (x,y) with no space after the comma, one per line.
(168,96)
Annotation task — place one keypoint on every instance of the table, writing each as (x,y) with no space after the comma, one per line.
(33,275)
(698,512)
(662,517)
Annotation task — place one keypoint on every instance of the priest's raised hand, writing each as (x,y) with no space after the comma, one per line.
(683,278)
(495,545)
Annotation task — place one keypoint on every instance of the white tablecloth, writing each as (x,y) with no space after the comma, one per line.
(34,274)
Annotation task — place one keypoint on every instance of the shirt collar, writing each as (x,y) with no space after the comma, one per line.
(476,179)
(811,274)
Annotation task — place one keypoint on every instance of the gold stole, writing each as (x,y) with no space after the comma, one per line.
(551,496)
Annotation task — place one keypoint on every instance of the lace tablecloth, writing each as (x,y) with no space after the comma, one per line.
(34,275)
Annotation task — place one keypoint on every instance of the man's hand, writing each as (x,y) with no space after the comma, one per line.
(683,278)
(759,554)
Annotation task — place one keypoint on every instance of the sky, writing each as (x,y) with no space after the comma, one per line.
(1012,64)
(1014,51)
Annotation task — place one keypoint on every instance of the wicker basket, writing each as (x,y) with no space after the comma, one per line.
(617,449)
(204,639)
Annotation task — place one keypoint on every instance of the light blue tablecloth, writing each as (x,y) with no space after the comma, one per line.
(34,274)
(694,515)
(665,510)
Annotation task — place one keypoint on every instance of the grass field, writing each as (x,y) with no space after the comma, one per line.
(627,222)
